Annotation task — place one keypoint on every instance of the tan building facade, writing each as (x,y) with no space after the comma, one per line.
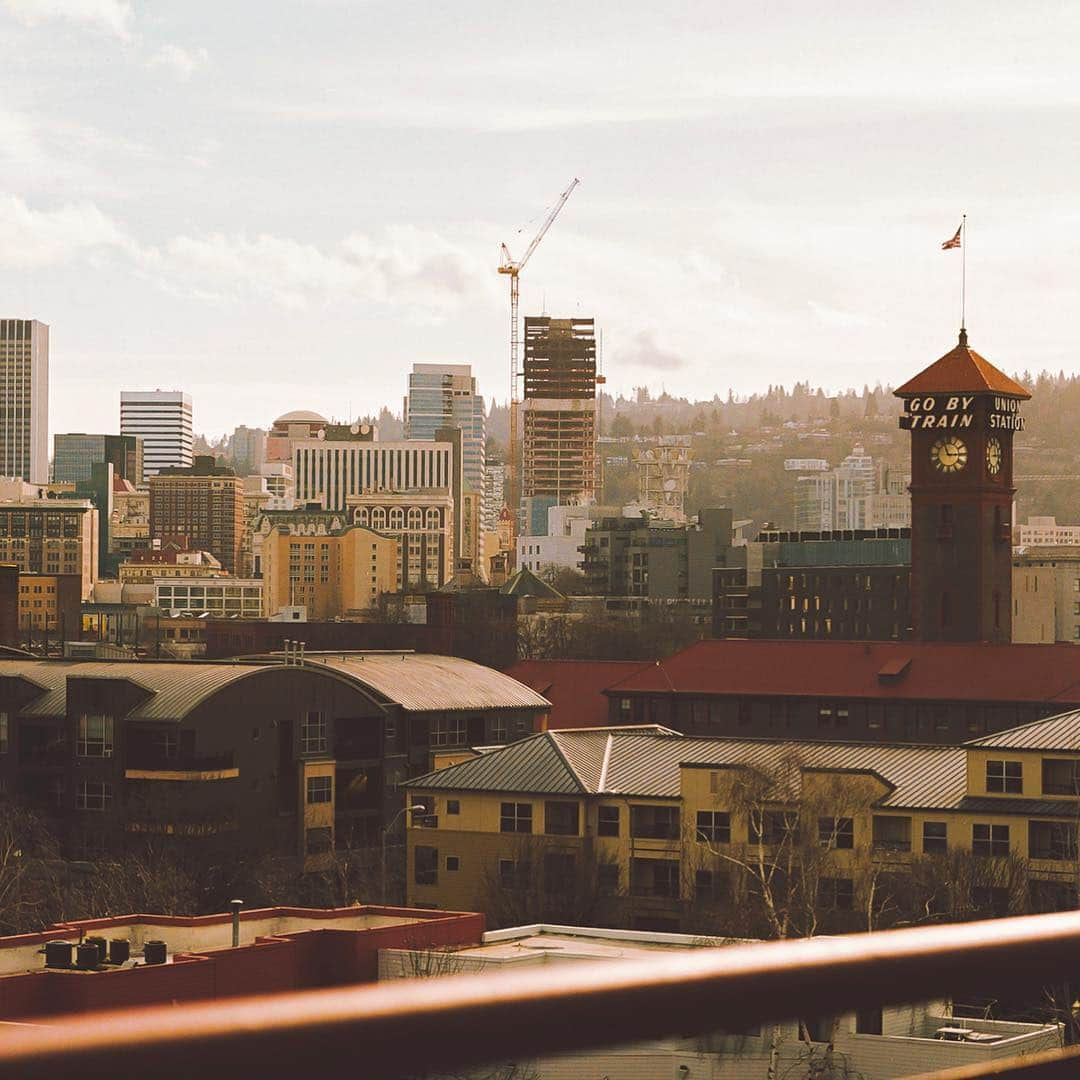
(1046,595)
(51,536)
(422,522)
(340,575)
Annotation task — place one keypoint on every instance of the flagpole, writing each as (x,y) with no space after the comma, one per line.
(963,273)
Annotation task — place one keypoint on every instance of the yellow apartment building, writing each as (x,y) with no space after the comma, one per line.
(338,575)
(656,830)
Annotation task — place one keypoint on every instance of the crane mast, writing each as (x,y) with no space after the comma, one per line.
(512,268)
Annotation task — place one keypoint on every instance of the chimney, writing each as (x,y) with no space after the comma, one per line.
(236,905)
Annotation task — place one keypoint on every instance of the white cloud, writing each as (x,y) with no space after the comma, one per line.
(643,351)
(181,62)
(50,237)
(109,16)
(836,319)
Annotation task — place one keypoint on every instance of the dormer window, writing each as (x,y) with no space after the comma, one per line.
(1005,777)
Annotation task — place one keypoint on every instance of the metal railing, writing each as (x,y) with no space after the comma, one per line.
(412,1027)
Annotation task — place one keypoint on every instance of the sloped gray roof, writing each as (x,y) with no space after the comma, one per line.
(422,682)
(646,764)
(173,690)
(1061,732)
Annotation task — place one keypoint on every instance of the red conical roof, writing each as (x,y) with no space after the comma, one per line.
(962,371)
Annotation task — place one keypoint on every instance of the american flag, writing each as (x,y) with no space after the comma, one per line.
(954,242)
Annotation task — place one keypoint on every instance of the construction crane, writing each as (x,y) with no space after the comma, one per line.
(508,266)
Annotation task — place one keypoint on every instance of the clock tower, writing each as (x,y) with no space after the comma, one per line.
(962,414)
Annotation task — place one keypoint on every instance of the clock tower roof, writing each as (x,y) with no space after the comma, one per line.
(962,371)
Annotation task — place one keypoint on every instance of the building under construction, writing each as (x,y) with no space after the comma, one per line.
(559,456)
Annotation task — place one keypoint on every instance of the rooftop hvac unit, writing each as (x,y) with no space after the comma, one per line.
(155,952)
(58,954)
(86,957)
(119,951)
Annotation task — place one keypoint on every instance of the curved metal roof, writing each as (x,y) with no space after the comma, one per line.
(423,682)
(172,690)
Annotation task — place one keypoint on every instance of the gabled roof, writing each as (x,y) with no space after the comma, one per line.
(1054,733)
(526,583)
(962,370)
(423,682)
(645,762)
(575,688)
(900,670)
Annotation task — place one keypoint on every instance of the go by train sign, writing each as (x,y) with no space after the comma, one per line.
(958,411)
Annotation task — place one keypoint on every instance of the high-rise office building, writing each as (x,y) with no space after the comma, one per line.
(205,503)
(24,399)
(559,410)
(444,396)
(162,419)
(76,454)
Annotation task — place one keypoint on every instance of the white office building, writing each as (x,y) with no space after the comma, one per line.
(162,419)
(24,400)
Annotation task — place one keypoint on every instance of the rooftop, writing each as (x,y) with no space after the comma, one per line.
(962,370)
(575,688)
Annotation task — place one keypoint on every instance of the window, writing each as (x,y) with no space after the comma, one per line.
(1061,776)
(426,865)
(313,733)
(453,863)
(990,840)
(934,838)
(836,894)
(892,833)
(837,832)
(607,879)
(558,872)
(447,731)
(654,877)
(3,732)
(714,827)
(453,806)
(95,736)
(319,841)
(1006,777)
(561,818)
(816,1029)
(515,817)
(772,826)
(320,789)
(1051,840)
(92,795)
(654,822)
(607,821)
(868,1021)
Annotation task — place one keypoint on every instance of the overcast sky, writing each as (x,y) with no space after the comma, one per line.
(283,205)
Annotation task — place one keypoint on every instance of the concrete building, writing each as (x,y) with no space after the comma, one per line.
(422,521)
(335,575)
(663,477)
(1046,594)
(129,524)
(294,427)
(51,536)
(649,831)
(75,454)
(220,598)
(445,396)
(162,420)
(559,410)
(1045,532)
(247,449)
(656,559)
(857,494)
(24,400)
(873,1044)
(310,520)
(494,494)
(561,543)
(203,502)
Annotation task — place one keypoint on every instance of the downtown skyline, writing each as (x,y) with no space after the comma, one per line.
(251,214)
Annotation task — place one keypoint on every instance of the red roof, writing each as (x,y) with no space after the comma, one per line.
(962,371)
(912,670)
(575,688)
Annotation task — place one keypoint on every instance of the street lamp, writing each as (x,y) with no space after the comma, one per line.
(416,809)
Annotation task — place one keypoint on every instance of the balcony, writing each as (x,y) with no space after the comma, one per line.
(444,1025)
(145,764)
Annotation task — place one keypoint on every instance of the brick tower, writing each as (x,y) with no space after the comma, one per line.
(962,414)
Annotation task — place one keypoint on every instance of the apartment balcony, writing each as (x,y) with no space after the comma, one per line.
(146,765)
(456,1025)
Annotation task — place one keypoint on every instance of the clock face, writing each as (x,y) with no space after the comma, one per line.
(949,455)
(993,457)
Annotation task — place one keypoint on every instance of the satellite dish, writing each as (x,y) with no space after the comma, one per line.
(365,428)
(354,429)
(320,434)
